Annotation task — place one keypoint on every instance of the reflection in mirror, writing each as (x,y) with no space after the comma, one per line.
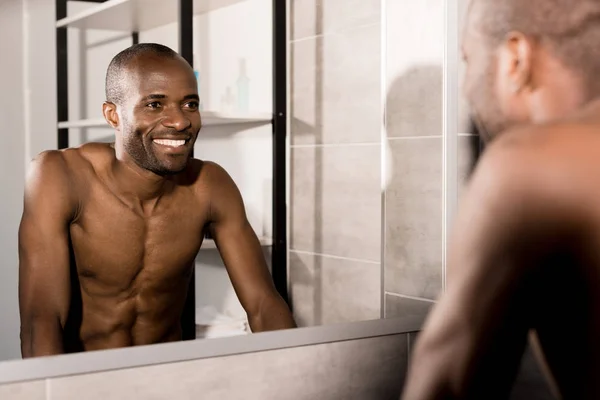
(111,230)
(114,230)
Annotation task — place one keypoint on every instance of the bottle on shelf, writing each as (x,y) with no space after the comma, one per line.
(228,101)
(243,88)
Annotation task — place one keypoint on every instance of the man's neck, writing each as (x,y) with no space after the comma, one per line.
(136,184)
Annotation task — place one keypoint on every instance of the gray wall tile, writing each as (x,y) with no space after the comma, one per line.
(336,201)
(335,88)
(414,103)
(398,307)
(329,290)
(413,253)
(34,390)
(415,59)
(315,17)
(361,369)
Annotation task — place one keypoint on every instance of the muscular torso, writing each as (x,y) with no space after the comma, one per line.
(131,264)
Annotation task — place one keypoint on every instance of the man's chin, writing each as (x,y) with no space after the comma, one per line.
(169,169)
(173,170)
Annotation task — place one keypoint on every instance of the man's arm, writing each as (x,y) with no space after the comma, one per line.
(44,285)
(473,340)
(243,257)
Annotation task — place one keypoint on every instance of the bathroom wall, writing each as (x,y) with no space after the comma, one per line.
(363,369)
(415,61)
(12,168)
(415,40)
(362,193)
(335,160)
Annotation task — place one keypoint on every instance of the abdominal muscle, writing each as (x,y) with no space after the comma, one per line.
(127,319)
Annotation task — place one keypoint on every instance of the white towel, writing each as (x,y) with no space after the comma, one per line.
(211,324)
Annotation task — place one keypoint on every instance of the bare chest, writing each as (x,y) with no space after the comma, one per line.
(118,247)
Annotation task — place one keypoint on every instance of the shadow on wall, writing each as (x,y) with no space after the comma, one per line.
(413,191)
(408,103)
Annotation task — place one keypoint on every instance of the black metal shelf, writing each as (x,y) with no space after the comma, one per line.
(185,15)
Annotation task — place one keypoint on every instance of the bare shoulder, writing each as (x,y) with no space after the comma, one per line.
(208,174)
(531,174)
(94,155)
(72,159)
(49,167)
(64,169)
(509,164)
(49,186)
(215,186)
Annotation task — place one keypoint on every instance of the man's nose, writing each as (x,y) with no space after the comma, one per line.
(176,119)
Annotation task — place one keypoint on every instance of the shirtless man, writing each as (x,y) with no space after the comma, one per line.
(109,232)
(525,253)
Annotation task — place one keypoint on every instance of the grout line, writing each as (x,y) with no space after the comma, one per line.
(415,137)
(410,297)
(299,146)
(335,32)
(466,134)
(309,253)
(383,149)
(48,390)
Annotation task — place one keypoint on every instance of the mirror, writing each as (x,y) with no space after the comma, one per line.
(365,188)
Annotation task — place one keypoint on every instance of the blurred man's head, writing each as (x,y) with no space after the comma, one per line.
(530,60)
(152,101)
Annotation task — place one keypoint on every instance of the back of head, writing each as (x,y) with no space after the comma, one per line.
(569,28)
(530,61)
(117,69)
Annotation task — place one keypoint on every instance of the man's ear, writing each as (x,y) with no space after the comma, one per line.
(517,55)
(109,110)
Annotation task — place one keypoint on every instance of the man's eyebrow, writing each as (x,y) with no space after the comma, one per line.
(156,96)
(153,97)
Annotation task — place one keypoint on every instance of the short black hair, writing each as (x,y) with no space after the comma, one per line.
(571,28)
(115,72)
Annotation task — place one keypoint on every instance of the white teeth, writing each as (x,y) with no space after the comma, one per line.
(171,143)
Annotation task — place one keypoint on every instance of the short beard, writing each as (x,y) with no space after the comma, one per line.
(141,153)
(486,113)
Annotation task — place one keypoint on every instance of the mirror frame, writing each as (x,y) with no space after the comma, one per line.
(38,368)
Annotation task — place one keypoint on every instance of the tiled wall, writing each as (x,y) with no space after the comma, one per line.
(363,369)
(335,227)
(342,221)
(12,168)
(415,41)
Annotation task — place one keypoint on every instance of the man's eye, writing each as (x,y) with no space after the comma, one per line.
(153,105)
(192,104)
